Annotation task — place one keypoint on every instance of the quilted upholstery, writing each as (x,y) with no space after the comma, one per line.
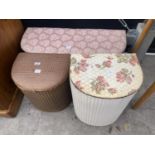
(106,75)
(64,40)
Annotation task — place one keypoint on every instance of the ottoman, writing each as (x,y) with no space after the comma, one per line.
(102,85)
(43,78)
(66,40)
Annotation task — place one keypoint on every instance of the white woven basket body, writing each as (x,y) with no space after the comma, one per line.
(97,111)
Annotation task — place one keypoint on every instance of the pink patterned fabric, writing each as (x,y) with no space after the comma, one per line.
(64,40)
(106,75)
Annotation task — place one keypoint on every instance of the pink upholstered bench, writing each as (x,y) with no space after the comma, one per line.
(64,40)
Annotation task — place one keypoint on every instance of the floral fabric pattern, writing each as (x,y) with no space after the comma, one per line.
(64,40)
(78,85)
(106,75)
(124,76)
(80,66)
(99,84)
(127,59)
(106,63)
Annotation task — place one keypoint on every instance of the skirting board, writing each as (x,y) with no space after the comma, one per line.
(14,105)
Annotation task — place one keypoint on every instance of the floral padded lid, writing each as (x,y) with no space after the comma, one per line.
(106,75)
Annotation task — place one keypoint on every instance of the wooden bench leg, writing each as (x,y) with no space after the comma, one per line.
(145,96)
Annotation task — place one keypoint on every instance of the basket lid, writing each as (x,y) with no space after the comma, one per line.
(106,75)
(40,72)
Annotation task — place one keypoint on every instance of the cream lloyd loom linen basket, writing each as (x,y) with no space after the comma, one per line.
(102,85)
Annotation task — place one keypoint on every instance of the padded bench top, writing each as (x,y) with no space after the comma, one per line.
(106,75)
(64,40)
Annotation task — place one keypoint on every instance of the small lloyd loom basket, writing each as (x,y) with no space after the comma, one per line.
(43,78)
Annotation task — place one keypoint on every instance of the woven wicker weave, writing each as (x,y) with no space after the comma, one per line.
(103,85)
(52,100)
(97,111)
(48,90)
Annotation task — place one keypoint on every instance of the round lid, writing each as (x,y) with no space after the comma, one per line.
(106,75)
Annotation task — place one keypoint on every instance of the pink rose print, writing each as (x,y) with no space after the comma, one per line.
(97,65)
(101,80)
(98,88)
(99,84)
(107,63)
(82,66)
(78,85)
(127,59)
(124,76)
(121,76)
(112,91)
(133,61)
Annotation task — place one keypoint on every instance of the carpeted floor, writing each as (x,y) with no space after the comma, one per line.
(32,121)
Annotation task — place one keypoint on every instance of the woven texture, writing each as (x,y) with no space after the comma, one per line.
(106,75)
(54,71)
(52,100)
(96,111)
(64,40)
(48,89)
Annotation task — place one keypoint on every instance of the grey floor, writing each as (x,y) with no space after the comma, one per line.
(32,121)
